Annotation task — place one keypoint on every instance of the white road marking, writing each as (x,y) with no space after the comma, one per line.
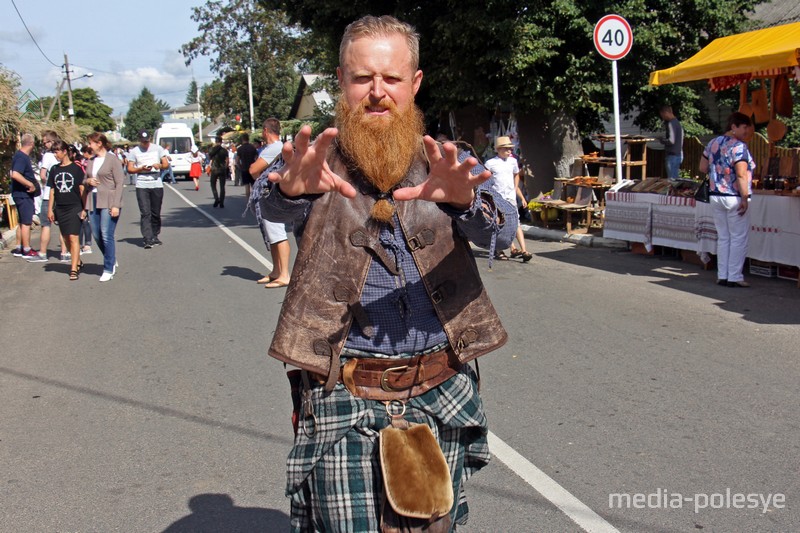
(576,510)
(249,249)
(672,271)
(571,506)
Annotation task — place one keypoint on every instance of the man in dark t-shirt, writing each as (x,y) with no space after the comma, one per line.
(23,189)
(246,155)
(219,170)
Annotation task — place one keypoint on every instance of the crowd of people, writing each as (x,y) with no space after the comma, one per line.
(73,179)
(80,189)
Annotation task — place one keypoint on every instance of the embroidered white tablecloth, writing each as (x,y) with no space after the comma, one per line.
(775,229)
(682,223)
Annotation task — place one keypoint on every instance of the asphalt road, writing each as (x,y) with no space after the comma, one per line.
(640,396)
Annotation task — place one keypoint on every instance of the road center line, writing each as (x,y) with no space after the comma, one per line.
(571,506)
(249,249)
(576,510)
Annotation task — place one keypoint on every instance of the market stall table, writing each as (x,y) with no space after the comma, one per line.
(775,229)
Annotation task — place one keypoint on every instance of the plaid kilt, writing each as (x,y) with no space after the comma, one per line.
(334,478)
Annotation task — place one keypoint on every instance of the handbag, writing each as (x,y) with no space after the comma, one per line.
(702,194)
(37,189)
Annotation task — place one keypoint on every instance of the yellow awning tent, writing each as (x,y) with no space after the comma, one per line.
(756,51)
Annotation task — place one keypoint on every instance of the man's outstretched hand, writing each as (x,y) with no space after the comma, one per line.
(449,181)
(305,170)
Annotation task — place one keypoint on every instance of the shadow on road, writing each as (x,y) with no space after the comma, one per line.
(767,301)
(212,513)
(241,272)
(163,411)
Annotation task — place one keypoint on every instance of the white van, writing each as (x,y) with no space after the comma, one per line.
(178,139)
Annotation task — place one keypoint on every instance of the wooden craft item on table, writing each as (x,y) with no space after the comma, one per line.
(776,129)
(760,104)
(744,105)
(782,96)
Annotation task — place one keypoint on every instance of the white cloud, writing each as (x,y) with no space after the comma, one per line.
(117,90)
(175,64)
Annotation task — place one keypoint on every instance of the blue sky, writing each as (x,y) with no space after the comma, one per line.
(126,46)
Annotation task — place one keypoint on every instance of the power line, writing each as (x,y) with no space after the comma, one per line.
(31,35)
(95,69)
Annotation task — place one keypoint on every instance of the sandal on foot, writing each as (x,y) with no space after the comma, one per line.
(73,275)
(276,284)
(516,253)
(501,256)
(526,256)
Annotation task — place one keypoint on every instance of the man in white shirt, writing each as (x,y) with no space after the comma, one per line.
(274,233)
(505,181)
(146,161)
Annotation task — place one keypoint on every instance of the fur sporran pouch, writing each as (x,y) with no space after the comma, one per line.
(416,479)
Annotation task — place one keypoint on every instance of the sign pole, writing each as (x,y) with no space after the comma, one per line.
(615,85)
(613,38)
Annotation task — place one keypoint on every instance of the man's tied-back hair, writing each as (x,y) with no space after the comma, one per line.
(370,26)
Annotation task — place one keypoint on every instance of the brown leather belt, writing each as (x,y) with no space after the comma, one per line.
(398,379)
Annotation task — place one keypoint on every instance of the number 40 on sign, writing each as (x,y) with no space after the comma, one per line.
(613,37)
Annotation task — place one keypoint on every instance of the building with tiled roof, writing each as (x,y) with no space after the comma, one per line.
(775,13)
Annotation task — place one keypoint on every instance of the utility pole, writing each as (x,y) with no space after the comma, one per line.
(199,118)
(250,91)
(58,97)
(71,110)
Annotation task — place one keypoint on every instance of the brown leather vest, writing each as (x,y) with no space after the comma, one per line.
(332,264)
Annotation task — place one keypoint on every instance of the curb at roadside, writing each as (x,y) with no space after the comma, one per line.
(592,241)
(9,239)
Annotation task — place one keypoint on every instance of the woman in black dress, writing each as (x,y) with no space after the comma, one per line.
(67,202)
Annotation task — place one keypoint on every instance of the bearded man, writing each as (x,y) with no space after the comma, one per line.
(385,307)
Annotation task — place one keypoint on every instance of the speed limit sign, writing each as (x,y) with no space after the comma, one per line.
(613,37)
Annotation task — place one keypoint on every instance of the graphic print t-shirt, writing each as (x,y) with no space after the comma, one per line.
(65,182)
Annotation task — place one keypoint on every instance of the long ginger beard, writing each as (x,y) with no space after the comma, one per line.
(382,147)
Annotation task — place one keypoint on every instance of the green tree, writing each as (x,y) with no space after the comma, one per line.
(89,109)
(144,113)
(88,106)
(162,105)
(191,94)
(213,99)
(538,59)
(241,33)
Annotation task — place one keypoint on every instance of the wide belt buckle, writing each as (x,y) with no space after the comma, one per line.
(385,385)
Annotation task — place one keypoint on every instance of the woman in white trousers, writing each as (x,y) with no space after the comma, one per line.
(729,165)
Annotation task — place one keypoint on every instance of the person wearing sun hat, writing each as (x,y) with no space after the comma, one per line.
(505,172)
